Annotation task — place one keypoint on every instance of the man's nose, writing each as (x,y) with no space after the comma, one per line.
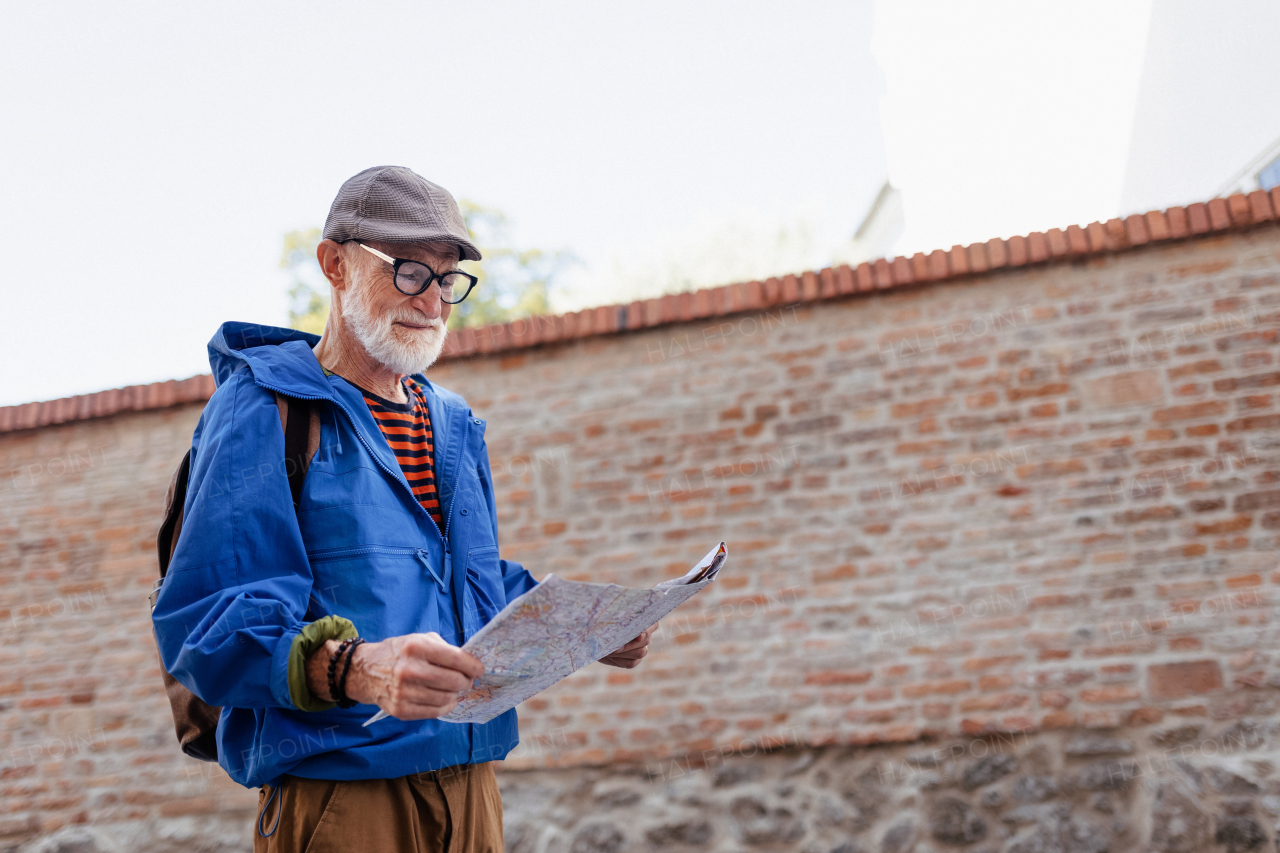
(428,302)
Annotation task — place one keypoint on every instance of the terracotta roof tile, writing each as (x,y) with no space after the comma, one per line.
(938,265)
(997,253)
(902,271)
(1135,227)
(1057,242)
(1017,251)
(1236,212)
(826,283)
(809,289)
(788,289)
(1198,216)
(1219,217)
(1037,247)
(1157,226)
(881,274)
(1238,208)
(844,280)
(1076,240)
(920,267)
(865,281)
(1260,206)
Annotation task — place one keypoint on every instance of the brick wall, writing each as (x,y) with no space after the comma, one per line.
(1038,499)
(1018,502)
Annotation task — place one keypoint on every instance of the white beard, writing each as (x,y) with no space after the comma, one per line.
(396,348)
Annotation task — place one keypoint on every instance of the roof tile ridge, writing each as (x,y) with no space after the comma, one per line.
(99,404)
(1233,213)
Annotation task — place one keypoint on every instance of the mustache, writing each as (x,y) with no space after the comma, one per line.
(402,316)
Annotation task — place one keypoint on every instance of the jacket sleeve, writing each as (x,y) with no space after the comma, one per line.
(516,580)
(239,584)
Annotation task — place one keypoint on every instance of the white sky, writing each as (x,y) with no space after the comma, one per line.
(1209,101)
(154,154)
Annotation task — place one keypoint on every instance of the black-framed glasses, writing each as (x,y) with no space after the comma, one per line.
(414,277)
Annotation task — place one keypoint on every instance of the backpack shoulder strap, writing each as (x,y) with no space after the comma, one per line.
(167,539)
(300,420)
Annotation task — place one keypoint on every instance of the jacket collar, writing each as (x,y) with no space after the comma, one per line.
(282,360)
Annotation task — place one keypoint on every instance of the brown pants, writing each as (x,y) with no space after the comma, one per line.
(454,810)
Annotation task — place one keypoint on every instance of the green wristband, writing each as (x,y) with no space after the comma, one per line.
(311,638)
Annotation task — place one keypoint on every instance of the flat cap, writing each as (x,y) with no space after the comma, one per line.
(397,205)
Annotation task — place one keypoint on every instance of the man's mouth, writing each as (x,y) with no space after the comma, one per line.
(409,325)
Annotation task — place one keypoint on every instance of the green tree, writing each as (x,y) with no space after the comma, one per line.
(513,283)
(309,289)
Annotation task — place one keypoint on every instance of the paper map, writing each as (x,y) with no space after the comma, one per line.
(560,626)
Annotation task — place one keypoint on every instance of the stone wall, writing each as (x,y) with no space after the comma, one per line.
(1033,512)
(1187,787)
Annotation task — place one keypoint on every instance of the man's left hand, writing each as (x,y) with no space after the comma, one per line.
(630,655)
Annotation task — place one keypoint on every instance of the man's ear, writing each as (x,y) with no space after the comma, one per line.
(332,263)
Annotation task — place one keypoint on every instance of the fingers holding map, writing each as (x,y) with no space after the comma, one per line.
(559,627)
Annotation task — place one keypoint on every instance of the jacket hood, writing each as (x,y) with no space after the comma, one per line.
(281,358)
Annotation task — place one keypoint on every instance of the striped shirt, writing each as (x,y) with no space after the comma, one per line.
(407,429)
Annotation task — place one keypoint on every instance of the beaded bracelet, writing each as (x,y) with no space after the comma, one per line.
(342,682)
(334,692)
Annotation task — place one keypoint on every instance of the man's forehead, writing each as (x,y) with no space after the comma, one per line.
(433,253)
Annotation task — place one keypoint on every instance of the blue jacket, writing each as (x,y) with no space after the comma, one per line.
(249,573)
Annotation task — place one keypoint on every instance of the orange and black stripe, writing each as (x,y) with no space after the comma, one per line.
(407,429)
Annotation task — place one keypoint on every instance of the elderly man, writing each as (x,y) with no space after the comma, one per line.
(302,619)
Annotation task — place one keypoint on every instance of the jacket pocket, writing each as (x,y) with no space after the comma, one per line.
(387,591)
(484,582)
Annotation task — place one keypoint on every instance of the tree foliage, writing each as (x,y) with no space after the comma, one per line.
(309,289)
(513,283)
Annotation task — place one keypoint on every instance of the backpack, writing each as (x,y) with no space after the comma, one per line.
(196,721)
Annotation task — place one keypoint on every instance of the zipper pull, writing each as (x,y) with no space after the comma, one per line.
(425,559)
(448,569)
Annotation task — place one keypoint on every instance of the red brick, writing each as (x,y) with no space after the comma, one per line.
(1054,699)
(1053,388)
(915,691)
(832,677)
(1108,695)
(1058,720)
(994,702)
(1187,678)
(1193,411)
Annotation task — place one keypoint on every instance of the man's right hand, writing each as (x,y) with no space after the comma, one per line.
(414,677)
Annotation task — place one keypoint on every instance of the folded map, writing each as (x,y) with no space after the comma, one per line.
(560,626)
